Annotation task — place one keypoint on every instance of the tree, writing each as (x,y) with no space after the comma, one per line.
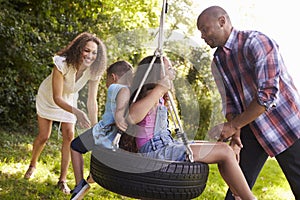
(197,98)
(31,31)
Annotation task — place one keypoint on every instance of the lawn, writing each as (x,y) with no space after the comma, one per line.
(15,156)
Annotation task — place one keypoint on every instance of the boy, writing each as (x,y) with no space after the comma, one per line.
(119,76)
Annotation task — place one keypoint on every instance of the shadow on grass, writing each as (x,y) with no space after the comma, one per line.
(14,160)
(13,187)
(15,157)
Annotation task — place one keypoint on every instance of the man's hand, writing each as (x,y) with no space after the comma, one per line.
(222,131)
(236,145)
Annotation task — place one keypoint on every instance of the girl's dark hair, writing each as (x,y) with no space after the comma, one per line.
(152,79)
(73,52)
(127,141)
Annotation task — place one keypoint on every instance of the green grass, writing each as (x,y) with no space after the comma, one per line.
(15,156)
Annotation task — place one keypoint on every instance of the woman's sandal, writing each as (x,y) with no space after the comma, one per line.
(62,186)
(29,172)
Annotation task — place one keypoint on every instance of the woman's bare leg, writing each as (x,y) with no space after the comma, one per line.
(222,154)
(68,135)
(39,142)
(45,127)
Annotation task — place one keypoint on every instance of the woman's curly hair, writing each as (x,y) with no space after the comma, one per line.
(73,51)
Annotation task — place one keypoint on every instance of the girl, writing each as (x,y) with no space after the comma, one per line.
(153,139)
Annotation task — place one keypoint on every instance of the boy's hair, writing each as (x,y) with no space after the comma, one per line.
(119,68)
(123,70)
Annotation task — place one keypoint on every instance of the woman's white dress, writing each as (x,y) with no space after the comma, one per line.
(46,108)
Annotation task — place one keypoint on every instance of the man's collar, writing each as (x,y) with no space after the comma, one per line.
(230,41)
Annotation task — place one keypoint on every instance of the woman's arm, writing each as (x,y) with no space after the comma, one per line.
(57,85)
(92,105)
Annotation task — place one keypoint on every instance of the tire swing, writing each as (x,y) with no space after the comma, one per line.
(132,175)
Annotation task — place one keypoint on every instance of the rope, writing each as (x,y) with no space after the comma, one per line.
(116,141)
(159,53)
(164,10)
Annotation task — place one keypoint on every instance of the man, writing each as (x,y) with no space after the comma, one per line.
(261,103)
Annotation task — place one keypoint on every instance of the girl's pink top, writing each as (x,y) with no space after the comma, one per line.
(145,128)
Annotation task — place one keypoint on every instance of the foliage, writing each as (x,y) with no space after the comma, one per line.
(194,85)
(14,159)
(180,16)
(32,31)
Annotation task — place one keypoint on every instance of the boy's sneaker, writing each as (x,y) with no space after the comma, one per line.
(80,190)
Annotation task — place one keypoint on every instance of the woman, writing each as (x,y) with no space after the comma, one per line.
(154,140)
(82,61)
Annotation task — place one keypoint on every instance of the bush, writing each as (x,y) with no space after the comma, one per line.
(31,31)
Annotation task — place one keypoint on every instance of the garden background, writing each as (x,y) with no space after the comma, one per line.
(31,31)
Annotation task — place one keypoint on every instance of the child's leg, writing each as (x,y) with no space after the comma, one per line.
(223,155)
(80,145)
(77,162)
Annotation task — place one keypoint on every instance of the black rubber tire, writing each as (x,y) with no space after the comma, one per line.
(132,175)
